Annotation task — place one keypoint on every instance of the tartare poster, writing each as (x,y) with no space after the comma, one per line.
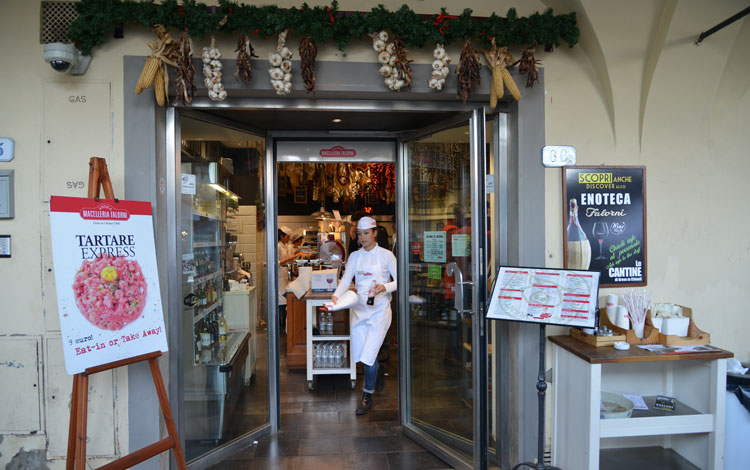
(108,295)
(551,296)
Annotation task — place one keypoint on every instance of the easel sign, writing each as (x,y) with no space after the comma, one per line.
(549,296)
(108,293)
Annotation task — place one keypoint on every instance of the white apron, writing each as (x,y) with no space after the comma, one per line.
(369,323)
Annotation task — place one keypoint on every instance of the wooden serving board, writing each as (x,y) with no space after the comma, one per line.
(595,340)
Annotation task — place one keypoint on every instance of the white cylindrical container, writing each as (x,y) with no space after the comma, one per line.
(612,300)
(638,329)
(622,318)
(612,314)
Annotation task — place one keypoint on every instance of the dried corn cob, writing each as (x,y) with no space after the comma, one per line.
(147,74)
(508,80)
(159,86)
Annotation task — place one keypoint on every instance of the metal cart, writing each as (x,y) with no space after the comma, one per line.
(314,300)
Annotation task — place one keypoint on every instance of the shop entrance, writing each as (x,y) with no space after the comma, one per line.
(435,217)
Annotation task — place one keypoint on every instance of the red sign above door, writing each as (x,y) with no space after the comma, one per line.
(338,151)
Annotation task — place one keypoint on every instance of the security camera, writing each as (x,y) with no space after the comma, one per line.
(66,58)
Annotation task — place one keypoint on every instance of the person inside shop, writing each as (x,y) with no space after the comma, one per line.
(286,256)
(297,239)
(370,267)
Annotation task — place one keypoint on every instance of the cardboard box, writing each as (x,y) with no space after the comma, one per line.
(324,280)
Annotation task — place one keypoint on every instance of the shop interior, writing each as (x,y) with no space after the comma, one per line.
(225,334)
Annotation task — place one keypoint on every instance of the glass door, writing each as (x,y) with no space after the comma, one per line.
(218,280)
(443,285)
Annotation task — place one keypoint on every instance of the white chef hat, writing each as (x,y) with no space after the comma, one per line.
(296,236)
(285,229)
(366,222)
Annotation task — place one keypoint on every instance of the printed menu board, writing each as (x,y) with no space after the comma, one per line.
(107,283)
(540,295)
(605,223)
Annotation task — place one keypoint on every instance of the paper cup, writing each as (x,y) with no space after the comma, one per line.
(622,318)
(612,300)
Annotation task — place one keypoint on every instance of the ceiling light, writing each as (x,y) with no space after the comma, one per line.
(336,120)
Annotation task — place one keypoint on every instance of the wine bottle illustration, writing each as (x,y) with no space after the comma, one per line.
(579,247)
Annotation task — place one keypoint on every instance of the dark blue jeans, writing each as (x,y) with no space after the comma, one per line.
(371,373)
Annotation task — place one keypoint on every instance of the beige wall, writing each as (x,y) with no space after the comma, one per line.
(682,111)
(636,91)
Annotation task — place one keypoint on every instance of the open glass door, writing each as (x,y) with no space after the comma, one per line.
(217,284)
(443,287)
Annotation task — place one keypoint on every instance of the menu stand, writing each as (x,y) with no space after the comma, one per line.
(541,386)
(76,456)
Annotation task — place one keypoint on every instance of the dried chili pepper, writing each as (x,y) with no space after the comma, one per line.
(307,52)
(469,67)
(528,66)
(185,81)
(245,53)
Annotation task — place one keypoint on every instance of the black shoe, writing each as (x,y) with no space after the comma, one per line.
(365,405)
(380,379)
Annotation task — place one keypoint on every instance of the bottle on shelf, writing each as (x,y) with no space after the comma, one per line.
(209,293)
(213,328)
(222,328)
(197,343)
(338,355)
(205,335)
(318,356)
(202,297)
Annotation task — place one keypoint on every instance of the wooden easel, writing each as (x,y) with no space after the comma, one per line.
(76,458)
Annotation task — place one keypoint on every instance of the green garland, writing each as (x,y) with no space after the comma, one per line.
(97,19)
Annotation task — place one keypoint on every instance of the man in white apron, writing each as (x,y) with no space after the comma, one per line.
(370,267)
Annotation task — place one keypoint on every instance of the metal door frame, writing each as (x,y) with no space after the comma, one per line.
(172,125)
(477,170)
(167,120)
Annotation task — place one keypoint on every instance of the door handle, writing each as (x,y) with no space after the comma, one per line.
(458,288)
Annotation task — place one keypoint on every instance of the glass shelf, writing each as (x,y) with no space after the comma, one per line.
(200,316)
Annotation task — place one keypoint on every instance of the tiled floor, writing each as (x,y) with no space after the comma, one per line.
(321,431)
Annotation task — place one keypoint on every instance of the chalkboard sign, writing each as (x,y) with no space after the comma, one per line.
(604,226)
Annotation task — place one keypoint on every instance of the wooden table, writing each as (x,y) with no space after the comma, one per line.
(581,372)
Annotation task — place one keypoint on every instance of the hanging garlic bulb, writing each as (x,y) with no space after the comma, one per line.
(281,66)
(439,68)
(394,76)
(212,66)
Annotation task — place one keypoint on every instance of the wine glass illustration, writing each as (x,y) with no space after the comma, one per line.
(600,232)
